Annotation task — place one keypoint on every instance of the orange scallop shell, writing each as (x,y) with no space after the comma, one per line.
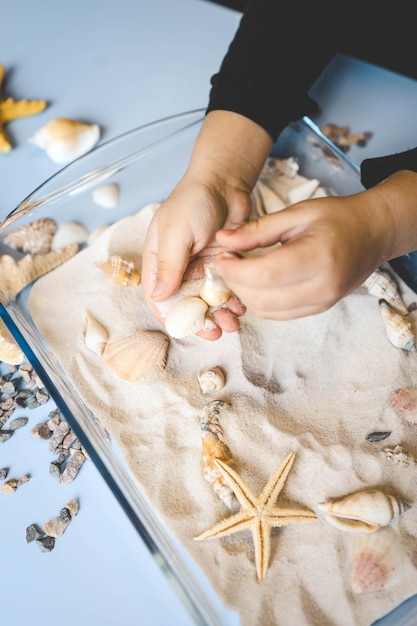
(133,356)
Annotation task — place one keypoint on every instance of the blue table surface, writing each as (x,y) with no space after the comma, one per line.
(121,65)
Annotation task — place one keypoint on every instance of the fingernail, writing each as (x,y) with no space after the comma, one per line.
(227,254)
(157,290)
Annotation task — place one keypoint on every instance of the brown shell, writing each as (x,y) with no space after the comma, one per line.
(133,356)
(120,270)
(35,237)
(214,448)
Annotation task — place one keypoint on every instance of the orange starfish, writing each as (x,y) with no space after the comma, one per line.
(11,109)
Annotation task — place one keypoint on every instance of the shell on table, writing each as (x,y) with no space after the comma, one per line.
(133,356)
(363,511)
(64,139)
(120,270)
(211,380)
(95,334)
(214,290)
(68,233)
(376,561)
(186,317)
(106,196)
(215,448)
(383,285)
(398,327)
(10,351)
(404,402)
(34,238)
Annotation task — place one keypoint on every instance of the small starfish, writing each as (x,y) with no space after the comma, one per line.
(259,514)
(11,109)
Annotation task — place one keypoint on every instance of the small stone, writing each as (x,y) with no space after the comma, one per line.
(46,544)
(3,473)
(33,532)
(8,389)
(55,469)
(76,445)
(18,422)
(9,486)
(23,479)
(73,507)
(5,435)
(72,468)
(32,403)
(69,439)
(41,431)
(63,455)
(65,515)
(7,404)
(377,436)
(54,421)
(58,435)
(56,527)
(41,396)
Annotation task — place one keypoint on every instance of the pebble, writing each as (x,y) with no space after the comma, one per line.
(3,473)
(46,544)
(73,507)
(18,422)
(72,467)
(5,435)
(33,532)
(377,436)
(41,431)
(9,486)
(56,526)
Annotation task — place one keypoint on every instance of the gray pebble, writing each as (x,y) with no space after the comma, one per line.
(3,473)
(46,544)
(33,532)
(5,435)
(18,422)
(377,436)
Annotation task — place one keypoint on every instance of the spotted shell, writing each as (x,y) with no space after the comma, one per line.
(376,561)
(120,270)
(135,355)
(363,511)
(384,286)
(214,448)
(35,237)
(398,327)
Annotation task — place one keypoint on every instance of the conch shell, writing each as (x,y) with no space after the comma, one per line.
(383,285)
(376,561)
(95,335)
(214,290)
(10,352)
(363,511)
(35,237)
(186,317)
(398,327)
(133,356)
(65,139)
(120,270)
(211,380)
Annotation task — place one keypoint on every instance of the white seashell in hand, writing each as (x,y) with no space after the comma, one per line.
(211,380)
(64,139)
(303,191)
(186,317)
(106,196)
(363,511)
(214,290)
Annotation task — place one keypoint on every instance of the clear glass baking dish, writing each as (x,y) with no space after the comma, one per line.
(146,163)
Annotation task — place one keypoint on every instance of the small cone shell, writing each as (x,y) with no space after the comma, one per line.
(65,139)
(399,329)
(35,237)
(134,356)
(95,335)
(120,270)
(384,286)
(214,448)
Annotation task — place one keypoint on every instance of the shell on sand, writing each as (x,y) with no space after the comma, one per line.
(120,270)
(398,327)
(35,237)
(65,139)
(403,401)
(211,380)
(383,285)
(135,355)
(376,561)
(95,335)
(214,448)
(10,352)
(16,275)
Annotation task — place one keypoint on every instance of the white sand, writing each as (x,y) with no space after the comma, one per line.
(316,386)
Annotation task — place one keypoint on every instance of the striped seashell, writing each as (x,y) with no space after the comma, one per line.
(120,270)
(34,238)
(363,511)
(132,357)
(398,327)
(376,561)
(383,285)
(214,448)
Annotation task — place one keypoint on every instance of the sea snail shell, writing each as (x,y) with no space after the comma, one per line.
(214,290)
(363,511)
(211,380)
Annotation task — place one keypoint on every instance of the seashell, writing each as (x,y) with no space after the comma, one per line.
(280,167)
(303,191)
(35,238)
(107,195)
(376,561)
(65,139)
(214,448)
(211,380)
(404,402)
(120,270)
(92,237)
(214,290)
(269,199)
(68,233)
(95,335)
(209,418)
(186,317)
(133,356)
(399,329)
(363,511)
(399,456)
(383,285)
(10,351)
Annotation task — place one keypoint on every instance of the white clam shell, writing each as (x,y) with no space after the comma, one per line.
(303,191)
(376,561)
(363,511)
(106,196)
(211,380)
(214,290)
(65,139)
(68,233)
(95,335)
(186,317)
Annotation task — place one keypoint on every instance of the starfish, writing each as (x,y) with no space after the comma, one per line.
(11,109)
(259,514)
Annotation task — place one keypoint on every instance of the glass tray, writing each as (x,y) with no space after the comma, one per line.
(146,163)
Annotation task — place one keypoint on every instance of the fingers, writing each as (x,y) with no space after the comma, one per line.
(259,233)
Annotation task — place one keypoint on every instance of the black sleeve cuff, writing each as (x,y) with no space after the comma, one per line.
(373,171)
